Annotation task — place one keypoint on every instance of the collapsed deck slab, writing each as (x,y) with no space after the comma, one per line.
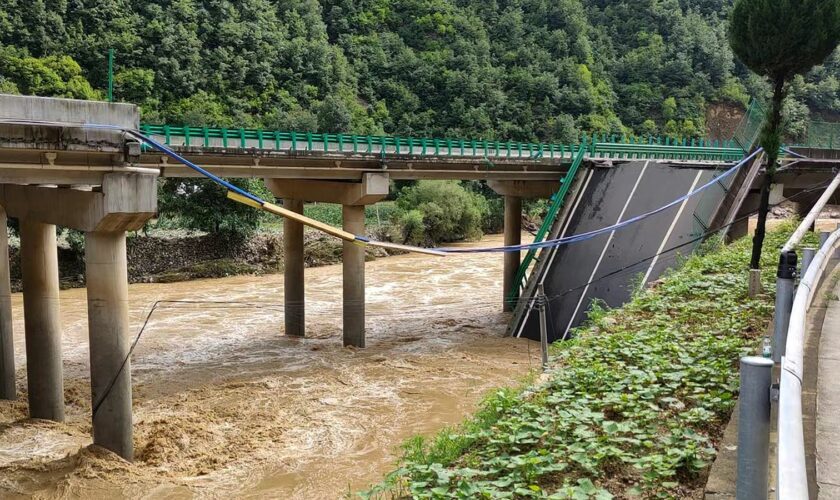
(610,266)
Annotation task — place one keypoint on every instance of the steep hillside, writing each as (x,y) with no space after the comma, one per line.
(499,69)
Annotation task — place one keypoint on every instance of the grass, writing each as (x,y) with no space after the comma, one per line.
(632,407)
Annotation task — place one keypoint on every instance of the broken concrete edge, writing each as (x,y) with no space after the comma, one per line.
(125,203)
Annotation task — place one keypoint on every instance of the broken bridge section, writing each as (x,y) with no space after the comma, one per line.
(608,268)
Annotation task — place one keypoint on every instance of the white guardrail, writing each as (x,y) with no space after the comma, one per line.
(792,478)
(792,304)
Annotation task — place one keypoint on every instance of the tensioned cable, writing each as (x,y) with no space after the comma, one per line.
(549,298)
(242,196)
(443,250)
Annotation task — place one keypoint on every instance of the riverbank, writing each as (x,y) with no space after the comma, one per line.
(173,256)
(225,406)
(634,406)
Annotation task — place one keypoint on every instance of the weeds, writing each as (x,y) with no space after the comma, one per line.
(632,406)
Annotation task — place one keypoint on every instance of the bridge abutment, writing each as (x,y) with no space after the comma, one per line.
(293,271)
(42,319)
(8,389)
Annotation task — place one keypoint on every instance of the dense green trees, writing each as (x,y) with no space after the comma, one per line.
(778,39)
(438,211)
(523,70)
(502,69)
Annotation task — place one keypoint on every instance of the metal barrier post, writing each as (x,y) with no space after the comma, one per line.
(824,237)
(807,257)
(754,428)
(785,289)
(543,326)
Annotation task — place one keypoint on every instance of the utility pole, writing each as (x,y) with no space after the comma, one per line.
(541,302)
(110,75)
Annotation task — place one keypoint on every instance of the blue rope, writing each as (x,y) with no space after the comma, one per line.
(615,227)
(513,248)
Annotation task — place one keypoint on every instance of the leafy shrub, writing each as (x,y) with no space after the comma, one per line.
(203,205)
(449,212)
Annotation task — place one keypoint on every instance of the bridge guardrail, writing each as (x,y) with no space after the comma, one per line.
(792,481)
(599,146)
(547,223)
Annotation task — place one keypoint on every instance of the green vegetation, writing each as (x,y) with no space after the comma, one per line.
(203,205)
(523,70)
(436,211)
(633,405)
(779,39)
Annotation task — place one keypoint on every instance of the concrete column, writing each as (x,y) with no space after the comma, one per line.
(293,286)
(353,262)
(7,345)
(513,236)
(39,266)
(110,369)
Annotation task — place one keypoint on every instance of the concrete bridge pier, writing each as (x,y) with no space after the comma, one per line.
(39,269)
(514,192)
(123,203)
(513,236)
(7,346)
(353,196)
(106,273)
(293,269)
(353,273)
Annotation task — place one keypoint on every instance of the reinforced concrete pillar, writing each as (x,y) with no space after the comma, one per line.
(44,373)
(353,263)
(513,236)
(293,285)
(110,366)
(7,346)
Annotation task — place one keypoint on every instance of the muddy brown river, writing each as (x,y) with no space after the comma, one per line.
(224,405)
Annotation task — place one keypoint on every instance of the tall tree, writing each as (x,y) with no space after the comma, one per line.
(779,39)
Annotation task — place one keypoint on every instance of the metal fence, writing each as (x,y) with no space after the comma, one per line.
(792,304)
(596,145)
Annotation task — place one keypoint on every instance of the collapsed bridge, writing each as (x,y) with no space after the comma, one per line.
(84,165)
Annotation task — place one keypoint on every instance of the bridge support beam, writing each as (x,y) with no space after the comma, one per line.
(44,372)
(7,345)
(353,267)
(353,196)
(293,271)
(513,236)
(110,370)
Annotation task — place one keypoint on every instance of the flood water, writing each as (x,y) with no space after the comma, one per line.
(224,405)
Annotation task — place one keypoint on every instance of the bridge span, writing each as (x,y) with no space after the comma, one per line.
(70,163)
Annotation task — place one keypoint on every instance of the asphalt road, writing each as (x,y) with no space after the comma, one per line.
(608,267)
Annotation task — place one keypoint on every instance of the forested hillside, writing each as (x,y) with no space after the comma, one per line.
(500,69)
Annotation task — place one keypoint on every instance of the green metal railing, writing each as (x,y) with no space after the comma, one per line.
(598,146)
(747,131)
(822,135)
(818,135)
(545,227)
